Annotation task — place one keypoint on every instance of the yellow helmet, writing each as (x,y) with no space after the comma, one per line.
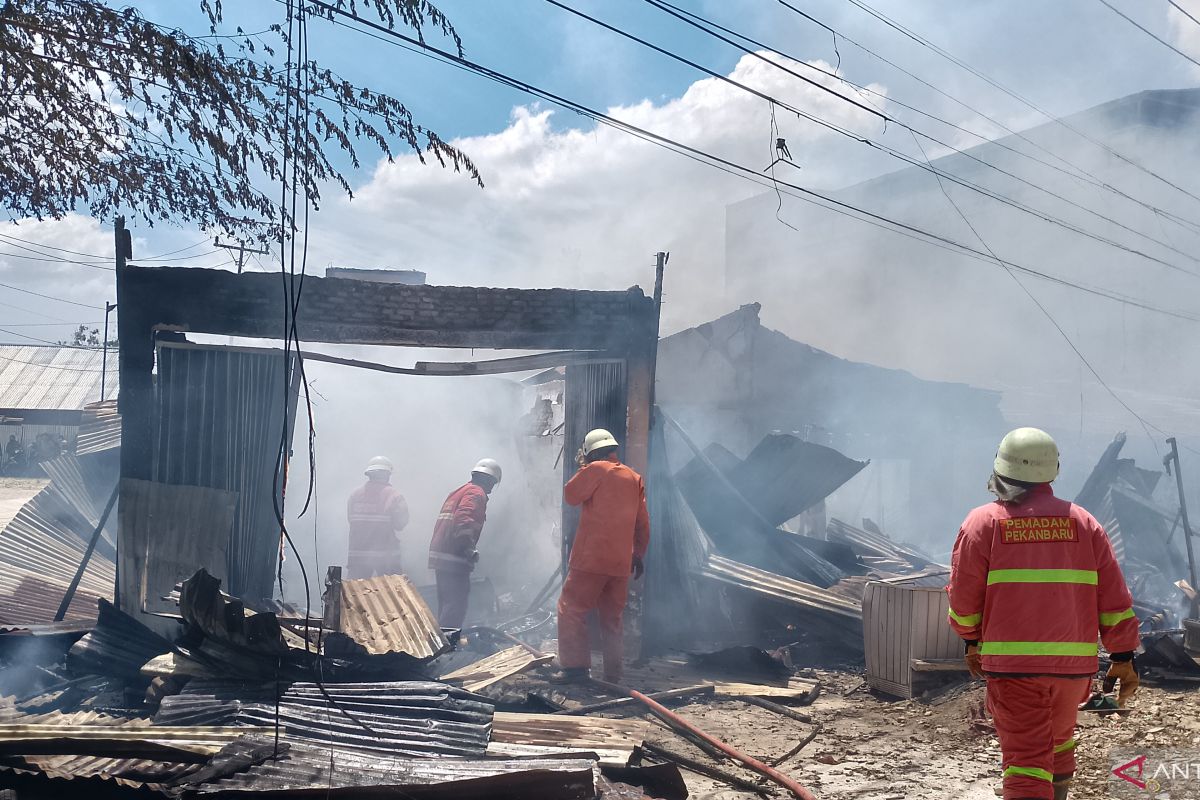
(1029,455)
(597,439)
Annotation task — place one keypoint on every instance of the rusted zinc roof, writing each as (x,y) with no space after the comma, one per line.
(381,615)
(415,718)
(778,587)
(524,735)
(341,772)
(52,378)
(99,428)
(494,668)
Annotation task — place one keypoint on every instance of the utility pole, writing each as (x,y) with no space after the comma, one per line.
(660,265)
(241,251)
(108,309)
(1173,456)
(123,244)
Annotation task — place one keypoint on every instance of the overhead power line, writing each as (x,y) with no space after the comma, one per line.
(731,167)
(1183,11)
(1146,425)
(53,247)
(48,296)
(916,37)
(1149,32)
(983,190)
(1072,168)
(888,118)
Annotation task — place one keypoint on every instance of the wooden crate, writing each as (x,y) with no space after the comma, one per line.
(906,635)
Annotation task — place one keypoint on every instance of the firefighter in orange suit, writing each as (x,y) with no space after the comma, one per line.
(1033,581)
(610,543)
(376,513)
(452,553)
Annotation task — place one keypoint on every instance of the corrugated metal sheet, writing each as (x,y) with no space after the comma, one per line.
(99,428)
(340,772)
(40,550)
(119,645)
(170,532)
(51,378)
(613,740)
(218,423)
(595,398)
(483,673)
(777,587)
(875,544)
(87,485)
(414,718)
(784,475)
(384,614)
(677,612)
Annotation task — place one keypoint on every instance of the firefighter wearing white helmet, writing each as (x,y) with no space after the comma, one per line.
(452,553)
(1033,584)
(610,544)
(376,513)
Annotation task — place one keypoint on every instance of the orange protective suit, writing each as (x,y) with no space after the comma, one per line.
(614,528)
(376,512)
(452,550)
(1035,582)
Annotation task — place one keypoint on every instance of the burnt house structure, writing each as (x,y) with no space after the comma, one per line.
(210,419)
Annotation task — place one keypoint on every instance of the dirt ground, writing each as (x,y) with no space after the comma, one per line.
(873,747)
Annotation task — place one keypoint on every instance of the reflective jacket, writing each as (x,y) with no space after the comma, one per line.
(456,532)
(614,525)
(1034,582)
(376,513)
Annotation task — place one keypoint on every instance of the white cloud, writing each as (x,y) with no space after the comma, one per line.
(1185,33)
(570,207)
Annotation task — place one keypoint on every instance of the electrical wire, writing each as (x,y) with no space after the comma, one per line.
(1148,32)
(44,256)
(880,146)
(1014,95)
(44,366)
(1183,11)
(1046,312)
(700,23)
(739,170)
(46,341)
(1075,170)
(53,247)
(49,297)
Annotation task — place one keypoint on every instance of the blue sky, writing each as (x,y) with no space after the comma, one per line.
(567,205)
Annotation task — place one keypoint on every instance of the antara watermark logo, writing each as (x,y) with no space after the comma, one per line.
(1167,774)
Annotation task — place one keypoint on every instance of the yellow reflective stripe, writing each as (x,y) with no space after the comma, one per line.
(968,620)
(1038,648)
(1029,772)
(1110,618)
(1069,744)
(1084,576)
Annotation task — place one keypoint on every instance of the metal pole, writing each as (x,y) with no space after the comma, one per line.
(87,556)
(1183,515)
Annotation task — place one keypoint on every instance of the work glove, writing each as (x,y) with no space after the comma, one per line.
(638,568)
(1122,675)
(974,660)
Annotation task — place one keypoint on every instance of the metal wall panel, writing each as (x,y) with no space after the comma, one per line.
(219,421)
(595,398)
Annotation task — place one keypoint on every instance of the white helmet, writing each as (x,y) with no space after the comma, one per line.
(379,464)
(597,439)
(1029,455)
(488,466)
